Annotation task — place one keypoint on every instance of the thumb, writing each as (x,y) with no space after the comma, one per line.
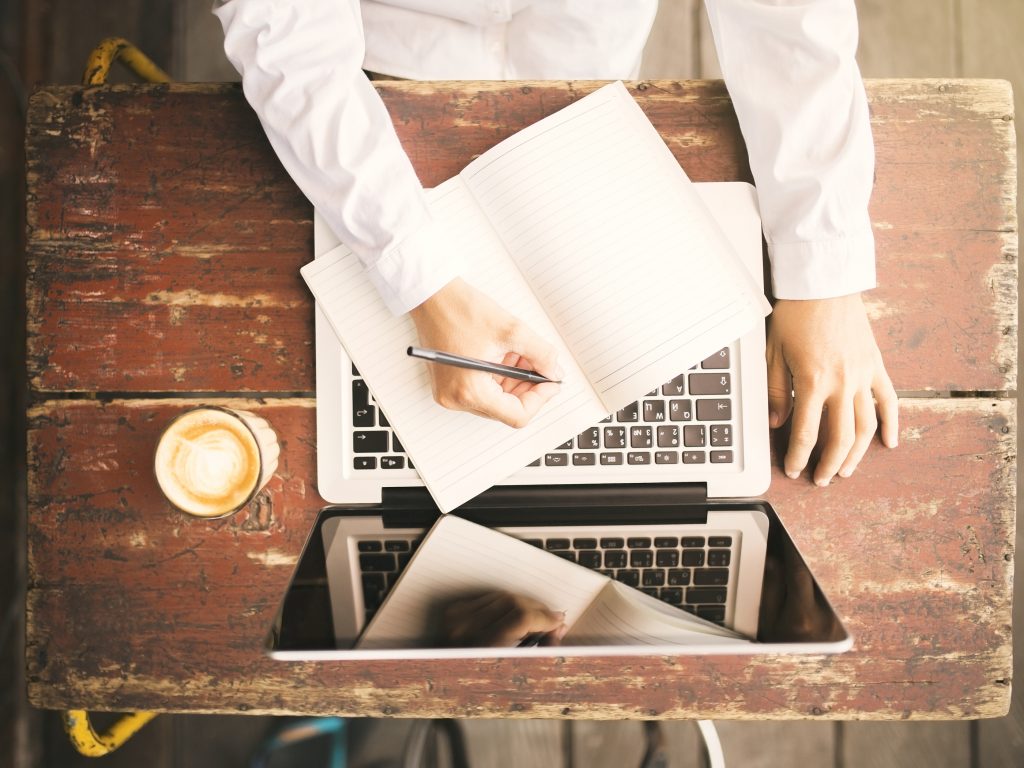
(780,391)
(539,354)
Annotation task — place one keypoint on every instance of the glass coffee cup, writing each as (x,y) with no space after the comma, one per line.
(212,461)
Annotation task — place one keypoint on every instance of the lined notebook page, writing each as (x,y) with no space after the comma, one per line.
(458,559)
(458,455)
(621,615)
(615,243)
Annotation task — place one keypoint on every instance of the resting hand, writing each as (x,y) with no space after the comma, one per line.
(498,619)
(461,320)
(822,355)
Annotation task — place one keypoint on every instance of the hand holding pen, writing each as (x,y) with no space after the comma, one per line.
(462,321)
(497,619)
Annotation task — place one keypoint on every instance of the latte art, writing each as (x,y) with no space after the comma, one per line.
(210,462)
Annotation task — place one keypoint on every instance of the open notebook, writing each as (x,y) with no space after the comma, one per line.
(585,227)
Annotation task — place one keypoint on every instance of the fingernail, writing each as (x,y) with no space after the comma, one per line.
(822,483)
(773,419)
(845,472)
(792,475)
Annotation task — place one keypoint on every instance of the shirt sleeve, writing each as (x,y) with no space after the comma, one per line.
(791,72)
(301,68)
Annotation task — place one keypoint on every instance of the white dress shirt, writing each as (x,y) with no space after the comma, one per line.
(789,67)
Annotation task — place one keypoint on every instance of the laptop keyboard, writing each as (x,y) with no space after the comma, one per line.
(689,572)
(685,421)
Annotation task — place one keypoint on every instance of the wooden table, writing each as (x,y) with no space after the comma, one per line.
(164,247)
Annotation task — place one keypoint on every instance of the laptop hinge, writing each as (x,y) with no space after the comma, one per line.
(404,507)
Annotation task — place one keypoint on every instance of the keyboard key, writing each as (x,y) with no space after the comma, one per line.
(369,546)
(612,542)
(710,384)
(672,596)
(693,436)
(611,459)
(667,558)
(666,457)
(392,462)
(641,558)
(397,446)
(589,558)
(652,591)
(566,446)
(714,410)
(364,462)
(629,578)
(355,371)
(638,542)
(584,543)
(360,394)
(705,595)
(583,459)
(679,577)
(712,612)
(377,563)
(555,459)
(364,417)
(721,435)
(668,437)
(614,437)
(680,410)
(535,543)
(666,541)
(606,419)
(693,457)
(570,556)
(719,557)
(711,577)
(693,541)
(675,387)
(556,544)
(641,437)
(534,463)
(403,560)
(630,413)
(373,581)
(638,459)
(396,545)
(364,441)
(654,577)
(693,558)
(718,360)
(654,410)
(721,457)
(384,420)
(615,558)
(590,438)
(719,541)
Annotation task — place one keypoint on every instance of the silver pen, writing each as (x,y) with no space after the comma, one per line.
(446,358)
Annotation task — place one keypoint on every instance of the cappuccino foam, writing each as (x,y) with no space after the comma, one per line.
(208,462)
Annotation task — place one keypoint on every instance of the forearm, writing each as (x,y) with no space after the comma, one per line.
(301,72)
(800,100)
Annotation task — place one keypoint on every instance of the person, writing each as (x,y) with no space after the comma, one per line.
(791,73)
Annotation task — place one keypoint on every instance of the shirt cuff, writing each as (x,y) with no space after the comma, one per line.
(416,269)
(823,269)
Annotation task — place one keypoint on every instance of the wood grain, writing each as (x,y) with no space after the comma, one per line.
(134,606)
(160,264)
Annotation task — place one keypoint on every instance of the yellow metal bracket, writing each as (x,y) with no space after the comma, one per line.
(117,48)
(91,744)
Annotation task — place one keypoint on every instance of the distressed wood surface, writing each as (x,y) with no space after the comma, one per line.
(165,238)
(134,606)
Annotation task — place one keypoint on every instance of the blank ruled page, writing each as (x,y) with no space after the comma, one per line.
(458,455)
(459,559)
(615,244)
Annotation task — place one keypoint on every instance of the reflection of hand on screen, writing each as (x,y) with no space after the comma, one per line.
(793,609)
(496,619)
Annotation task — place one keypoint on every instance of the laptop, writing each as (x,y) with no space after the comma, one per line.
(637,496)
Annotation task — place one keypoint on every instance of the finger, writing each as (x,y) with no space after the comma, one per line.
(525,618)
(888,408)
(842,433)
(866,423)
(535,353)
(806,420)
(780,391)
